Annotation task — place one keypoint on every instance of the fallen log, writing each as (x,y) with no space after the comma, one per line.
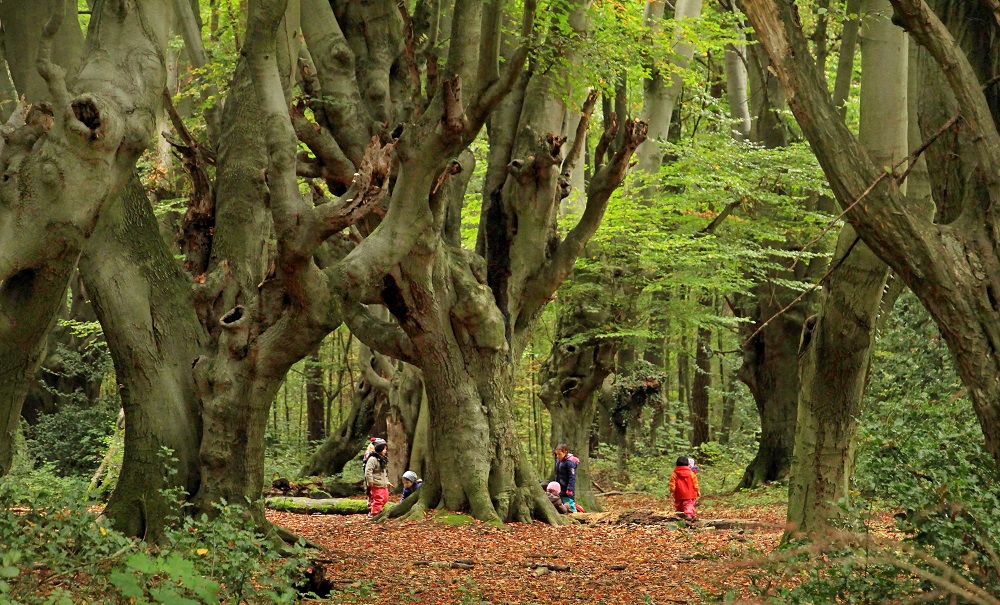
(322,506)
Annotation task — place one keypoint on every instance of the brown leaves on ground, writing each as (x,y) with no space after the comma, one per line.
(609,563)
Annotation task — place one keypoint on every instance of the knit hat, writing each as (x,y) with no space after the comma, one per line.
(553,487)
(410,476)
(377,440)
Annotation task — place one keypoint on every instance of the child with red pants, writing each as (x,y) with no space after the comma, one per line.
(684,488)
(377,479)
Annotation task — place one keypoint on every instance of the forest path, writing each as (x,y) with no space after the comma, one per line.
(609,563)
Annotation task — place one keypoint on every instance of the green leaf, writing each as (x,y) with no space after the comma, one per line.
(170,596)
(126,584)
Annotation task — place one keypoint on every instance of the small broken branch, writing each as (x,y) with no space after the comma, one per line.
(370,186)
(580,138)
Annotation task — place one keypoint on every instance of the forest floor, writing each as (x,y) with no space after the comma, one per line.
(631,556)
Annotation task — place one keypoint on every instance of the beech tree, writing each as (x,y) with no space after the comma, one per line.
(201,348)
(71,160)
(949,264)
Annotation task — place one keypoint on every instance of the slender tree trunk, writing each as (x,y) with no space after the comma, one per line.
(655,358)
(315,420)
(736,88)
(699,392)
(659,99)
(344,444)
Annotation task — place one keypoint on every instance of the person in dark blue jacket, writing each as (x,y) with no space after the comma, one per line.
(411,483)
(566,464)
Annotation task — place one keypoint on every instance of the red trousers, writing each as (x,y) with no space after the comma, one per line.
(685,506)
(378,496)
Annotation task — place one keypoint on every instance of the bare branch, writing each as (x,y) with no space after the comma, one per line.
(602,185)
(53,75)
(370,186)
(580,138)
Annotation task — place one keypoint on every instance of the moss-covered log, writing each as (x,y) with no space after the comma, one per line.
(323,506)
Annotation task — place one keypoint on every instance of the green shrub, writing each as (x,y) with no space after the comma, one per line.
(920,453)
(57,551)
(73,440)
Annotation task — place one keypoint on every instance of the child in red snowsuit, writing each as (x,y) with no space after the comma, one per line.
(684,488)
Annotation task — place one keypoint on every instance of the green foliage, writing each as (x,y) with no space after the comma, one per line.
(921,449)
(920,454)
(73,439)
(57,550)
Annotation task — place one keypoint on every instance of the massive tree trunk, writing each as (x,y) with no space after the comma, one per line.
(469,315)
(143,301)
(837,347)
(770,345)
(71,164)
(952,268)
(768,370)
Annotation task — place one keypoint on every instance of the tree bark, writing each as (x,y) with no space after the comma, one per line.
(947,266)
(570,379)
(69,371)
(660,97)
(315,417)
(699,390)
(71,164)
(143,301)
(23,21)
(834,365)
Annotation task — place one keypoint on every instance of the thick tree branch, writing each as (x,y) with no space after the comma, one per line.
(338,170)
(489,45)
(54,75)
(488,98)
(382,336)
(370,186)
(373,375)
(893,233)
(288,209)
(602,185)
(349,122)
